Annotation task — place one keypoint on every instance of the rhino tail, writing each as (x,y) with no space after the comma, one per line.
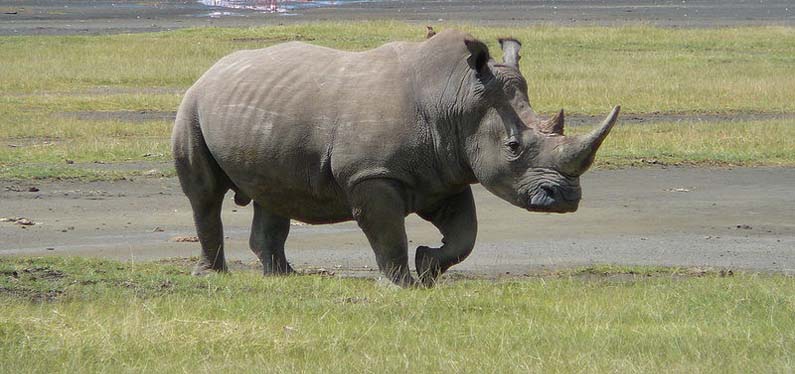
(241,198)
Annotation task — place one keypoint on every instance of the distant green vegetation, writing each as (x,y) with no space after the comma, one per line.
(79,315)
(752,143)
(583,69)
(48,79)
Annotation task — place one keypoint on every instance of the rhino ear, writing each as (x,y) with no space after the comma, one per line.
(510,51)
(478,55)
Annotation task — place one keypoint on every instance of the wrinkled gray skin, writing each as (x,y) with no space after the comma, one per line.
(322,136)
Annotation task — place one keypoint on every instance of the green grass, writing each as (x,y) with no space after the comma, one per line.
(47,79)
(79,315)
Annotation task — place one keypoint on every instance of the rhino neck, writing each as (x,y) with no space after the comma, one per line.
(440,80)
(450,137)
(449,126)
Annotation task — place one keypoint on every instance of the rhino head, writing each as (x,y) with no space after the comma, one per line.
(517,155)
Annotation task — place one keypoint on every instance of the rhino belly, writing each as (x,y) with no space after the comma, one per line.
(289,178)
(300,205)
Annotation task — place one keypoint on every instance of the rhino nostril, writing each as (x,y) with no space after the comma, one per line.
(548,191)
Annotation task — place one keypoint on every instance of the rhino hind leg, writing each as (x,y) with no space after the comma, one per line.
(457,221)
(205,185)
(379,209)
(268,234)
(207,217)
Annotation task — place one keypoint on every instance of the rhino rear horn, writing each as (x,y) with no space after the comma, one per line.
(554,125)
(510,51)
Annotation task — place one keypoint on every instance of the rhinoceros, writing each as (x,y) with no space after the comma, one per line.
(323,136)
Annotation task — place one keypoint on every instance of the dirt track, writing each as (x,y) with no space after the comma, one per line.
(741,218)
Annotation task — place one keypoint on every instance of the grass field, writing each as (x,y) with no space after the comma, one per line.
(78,315)
(48,81)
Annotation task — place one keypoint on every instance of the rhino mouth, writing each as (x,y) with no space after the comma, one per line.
(552,199)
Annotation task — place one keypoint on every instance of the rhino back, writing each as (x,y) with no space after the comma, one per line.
(295,125)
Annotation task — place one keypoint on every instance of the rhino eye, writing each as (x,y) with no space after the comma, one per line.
(512,144)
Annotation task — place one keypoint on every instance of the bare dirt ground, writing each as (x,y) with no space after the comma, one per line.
(25,17)
(738,218)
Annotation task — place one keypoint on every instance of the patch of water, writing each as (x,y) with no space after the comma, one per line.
(276,6)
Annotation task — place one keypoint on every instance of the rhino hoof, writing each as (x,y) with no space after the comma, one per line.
(276,265)
(278,270)
(428,267)
(202,270)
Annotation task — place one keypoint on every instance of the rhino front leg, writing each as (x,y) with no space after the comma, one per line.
(456,220)
(268,234)
(380,211)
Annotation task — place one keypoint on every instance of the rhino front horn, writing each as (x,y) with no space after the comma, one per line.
(595,139)
(580,155)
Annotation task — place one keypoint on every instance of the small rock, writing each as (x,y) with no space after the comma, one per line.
(680,189)
(185,239)
(25,222)
(33,189)
(319,271)
(158,229)
(50,248)
(70,162)
(744,227)
(650,161)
